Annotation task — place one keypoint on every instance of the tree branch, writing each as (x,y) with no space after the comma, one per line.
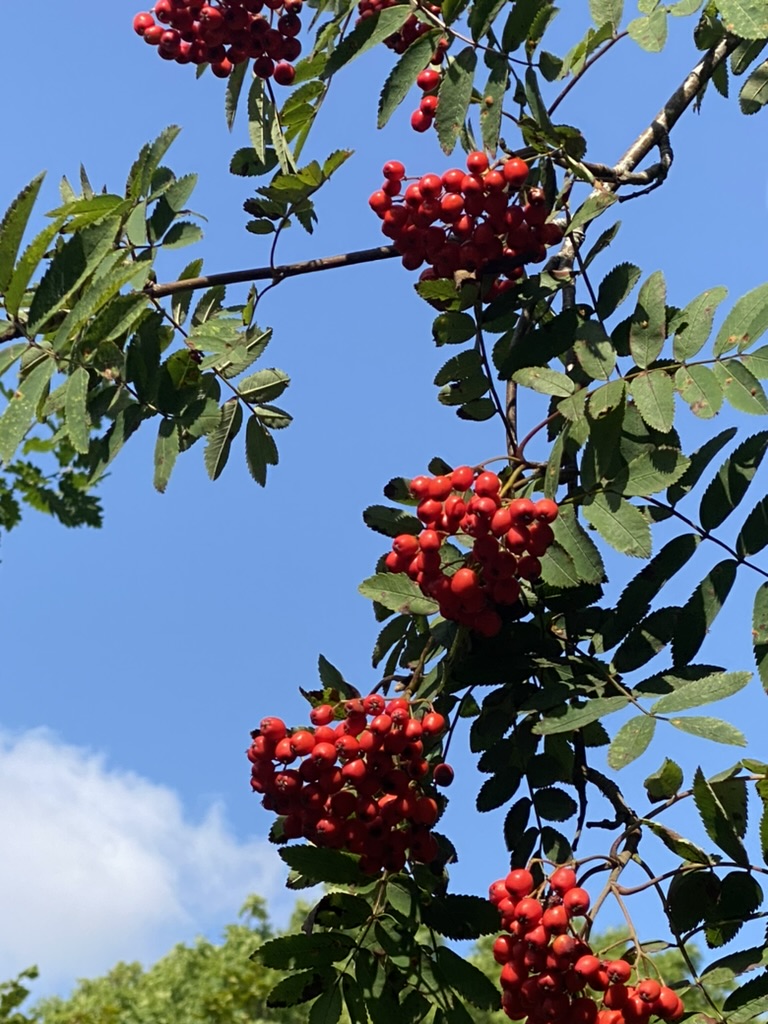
(274,274)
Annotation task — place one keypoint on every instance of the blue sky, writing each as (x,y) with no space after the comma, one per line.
(137,658)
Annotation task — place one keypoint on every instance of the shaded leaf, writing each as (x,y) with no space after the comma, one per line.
(368,32)
(401,78)
(631,741)
(220,440)
(454,95)
(726,490)
(260,449)
(700,459)
(692,325)
(466,979)
(698,614)
(665,782)
(460,917)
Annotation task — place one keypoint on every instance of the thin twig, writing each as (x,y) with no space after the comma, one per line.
(347,259)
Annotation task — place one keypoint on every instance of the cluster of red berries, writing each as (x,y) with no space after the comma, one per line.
(466,220)
(509,539)
(226,33)
(363,784)
(428,81)
(546,968)
(410,31)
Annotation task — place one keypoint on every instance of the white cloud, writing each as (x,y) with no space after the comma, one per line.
(98,865)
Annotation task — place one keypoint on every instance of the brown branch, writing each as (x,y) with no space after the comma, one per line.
(676,105)
(347,259)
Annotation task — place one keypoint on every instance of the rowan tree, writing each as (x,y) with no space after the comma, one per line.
(492,594)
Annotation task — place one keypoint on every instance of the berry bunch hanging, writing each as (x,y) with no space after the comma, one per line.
(510,537)
(409,32)
(362,783)
(546,969)
(466,220)
(226,33)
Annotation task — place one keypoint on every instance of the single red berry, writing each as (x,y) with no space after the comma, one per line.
(519,883)
(374,704)
(648,989)
(284,73)
(302,742)
(428,79)
(142,22)
(515,172)
(273,729)
(321,715)
(462,476)
(477,162)
(545,510)
(487,485)
(575,901)
(433,723)
(442,775)
(421,121)
(562,880)
(618,971)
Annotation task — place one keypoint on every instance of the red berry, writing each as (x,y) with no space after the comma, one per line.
(142,22)
(462,477)
(477,162)
(442,775)
(519,883)
(284,73)
(515,172)
(545,510)
(487,485)
(428,79)
(576,901)
(273,729)
(618,971)
(420,121)
(563,879)
(321,715)
(433,723)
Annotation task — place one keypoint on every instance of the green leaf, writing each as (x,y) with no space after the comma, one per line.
(650,32)
(635,600)
(603,11)
(740,388)
(573,538)
(398,593)
(294,952)
(482,14)
(454,95)
(683,848)
(182,233)
(711,688)
(606,398)
(631,741)
(692,326)
(745,18)
(594,350)
(20,414)
(615,287)
(493,100)
(326,1009)
(745,323)
(142,172)
(621,524)
(463,366)
(71,265)
(298,988)
(220,440)
(648,327)
(401,78)
(652,471)
(716,820)
(602,243)
(498,790)
(710,729)
(760,633)
(753,535)
(726,490)
(260,449)
(13,226)
(757,362)
(654,395)
(323,865)
(646,639)
(391,521)
(753,95)
(166,453)
(367,33)
(76,413)
(748,1001)
(698,614)
(665,782)
(568,719)
(460,917)
(553,804)
(27,265)
(453,327)
(545,381)
(700,388)
(700,459)
(466,979)
(591,209)
(263,386)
